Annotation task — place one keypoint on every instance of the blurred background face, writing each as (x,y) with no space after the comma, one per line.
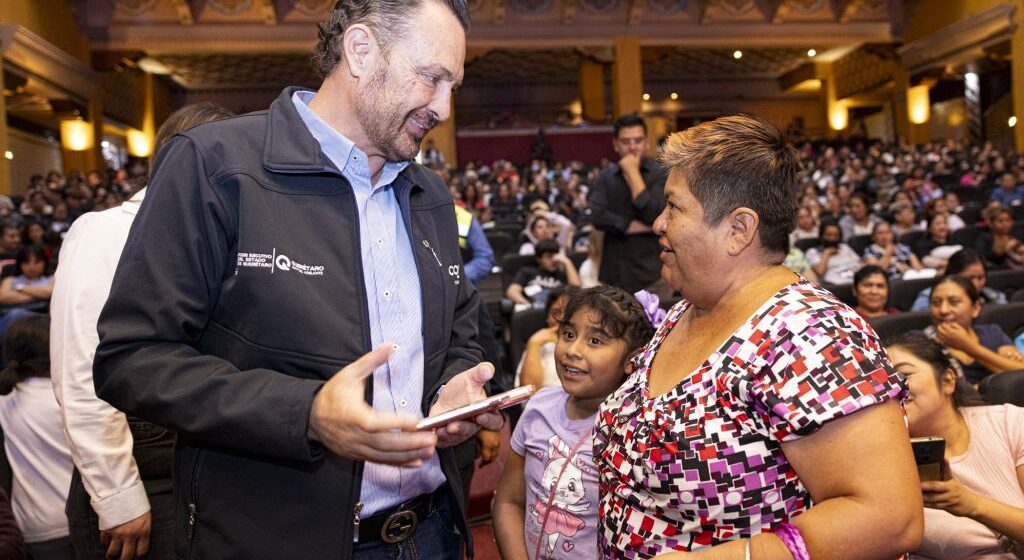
(975,272)
(883,235)
(1002,224)
(33,267)
(11,239)
(804,219)
(951,304)
(858,209)
(632,140)
(872,293)
(831,235)
(939,227)
(541,229)
(927,399)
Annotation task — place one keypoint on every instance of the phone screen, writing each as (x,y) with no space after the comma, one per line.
(929,454)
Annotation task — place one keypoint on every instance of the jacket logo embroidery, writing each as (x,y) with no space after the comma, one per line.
(274,261)
(453,271)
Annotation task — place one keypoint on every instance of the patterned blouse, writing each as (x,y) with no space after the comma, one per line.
(703,464)
(901,255)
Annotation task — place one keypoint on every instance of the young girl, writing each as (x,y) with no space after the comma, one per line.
(34,439)
(546,505)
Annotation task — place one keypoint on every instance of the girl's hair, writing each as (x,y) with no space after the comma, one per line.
(29,251)
(938,358)
(968,287)
(619,314)
(27,349)
(554,294)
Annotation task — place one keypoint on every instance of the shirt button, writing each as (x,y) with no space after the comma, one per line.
(387,294)
(403,403)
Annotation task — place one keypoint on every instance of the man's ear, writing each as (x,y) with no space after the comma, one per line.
(359,46)
(743,224)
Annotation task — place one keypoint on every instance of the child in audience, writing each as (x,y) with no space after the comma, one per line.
(532,284)
(546,505)
(34,440)
(978,510)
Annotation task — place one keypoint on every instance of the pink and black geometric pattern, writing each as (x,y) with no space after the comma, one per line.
(702,464)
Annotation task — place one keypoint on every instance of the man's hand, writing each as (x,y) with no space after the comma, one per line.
(348,426)
(465,388)
(630,164)
(128,540)
(489,444)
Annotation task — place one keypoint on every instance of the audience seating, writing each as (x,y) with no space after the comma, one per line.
(806,243)
(971,194)
(966,236)
(1017,212)
(1004,388)
(842,291)
(511,264)
(891,326)
(902,293)
(1006,281)
(859,243)
(501,243)
(912,237)
(970,214)
(523,325)
(1009,316)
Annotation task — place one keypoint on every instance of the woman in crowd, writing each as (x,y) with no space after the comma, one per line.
(505,206)
(538,229)
(969,264)
(806,226)
(34,440)
(871,288)
(832,260)
(32,288)
(998,245)
(895,258)
(904,220)
(979,511)
(719,441)
(939,206)
(935,248)
(859,220)
(981,349)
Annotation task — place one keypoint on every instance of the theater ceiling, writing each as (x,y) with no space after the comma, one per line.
(232,44)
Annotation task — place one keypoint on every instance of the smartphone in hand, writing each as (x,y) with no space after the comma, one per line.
(929,454)
(490,404)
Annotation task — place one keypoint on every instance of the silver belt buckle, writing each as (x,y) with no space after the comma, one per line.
(398,526)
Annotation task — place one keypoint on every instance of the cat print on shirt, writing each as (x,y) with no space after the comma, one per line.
(564,491)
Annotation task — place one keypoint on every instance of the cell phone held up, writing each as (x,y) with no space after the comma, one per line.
(929,454)
(490,404)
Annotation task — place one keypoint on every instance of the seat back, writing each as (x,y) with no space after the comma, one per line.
(1004,388)
(521,328)
(902,293)
(844,292)
(511,264)
(1009,316)
(806,243)
(890,326)
(501,243)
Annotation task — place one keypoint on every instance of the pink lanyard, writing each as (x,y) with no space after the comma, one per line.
(554,488)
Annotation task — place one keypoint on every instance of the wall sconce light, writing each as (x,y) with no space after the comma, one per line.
(139,143)
(918,104)
(76,134)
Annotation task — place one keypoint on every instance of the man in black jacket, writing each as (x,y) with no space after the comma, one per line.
(624,203)
(273,251)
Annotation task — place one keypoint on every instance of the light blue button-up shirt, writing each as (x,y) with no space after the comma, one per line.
(393,301)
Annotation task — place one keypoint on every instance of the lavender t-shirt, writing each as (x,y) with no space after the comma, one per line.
(561,480)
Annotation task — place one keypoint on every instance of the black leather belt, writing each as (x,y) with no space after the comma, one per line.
(398,523)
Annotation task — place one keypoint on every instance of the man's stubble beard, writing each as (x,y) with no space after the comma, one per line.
(384,122)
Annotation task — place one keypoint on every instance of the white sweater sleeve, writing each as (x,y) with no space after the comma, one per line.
(98,434)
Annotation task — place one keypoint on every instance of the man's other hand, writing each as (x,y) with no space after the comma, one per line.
(343,422)
(465,388)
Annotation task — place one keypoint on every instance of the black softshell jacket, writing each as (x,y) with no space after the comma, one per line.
(239,292)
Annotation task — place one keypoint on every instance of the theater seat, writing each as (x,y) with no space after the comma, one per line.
(521,328)
(889,327)
(903,293)
(1009,316)
(806,243)
(1004,388)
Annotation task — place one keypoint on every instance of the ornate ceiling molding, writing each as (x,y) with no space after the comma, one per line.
(46,61)
(959,39)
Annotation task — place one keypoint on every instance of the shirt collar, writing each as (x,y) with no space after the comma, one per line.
(342,152)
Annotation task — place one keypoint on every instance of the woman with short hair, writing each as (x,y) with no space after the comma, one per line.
(759,417)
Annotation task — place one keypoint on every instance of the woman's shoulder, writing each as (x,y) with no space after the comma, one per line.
(1004,419)
(804,306)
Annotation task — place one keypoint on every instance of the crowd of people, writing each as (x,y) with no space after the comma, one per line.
(234,361)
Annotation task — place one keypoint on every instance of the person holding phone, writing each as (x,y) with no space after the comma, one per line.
(978,511)
(292,301)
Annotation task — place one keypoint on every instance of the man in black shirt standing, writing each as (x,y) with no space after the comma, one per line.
(624,203)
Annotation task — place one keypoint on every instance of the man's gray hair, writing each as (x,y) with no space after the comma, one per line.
(386,18)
